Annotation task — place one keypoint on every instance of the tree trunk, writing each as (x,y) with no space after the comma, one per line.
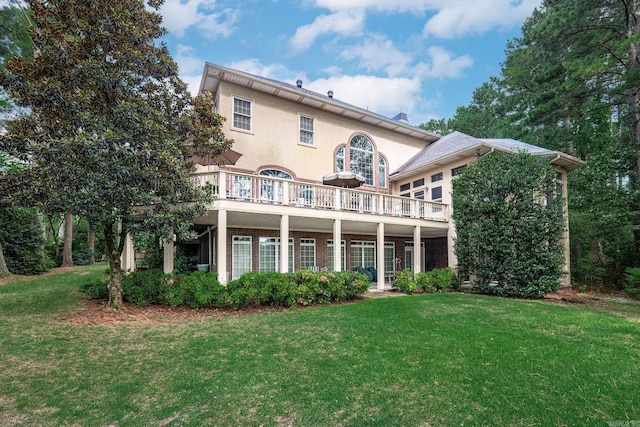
(4,271)
(67,251)
(91,243)
(115,268)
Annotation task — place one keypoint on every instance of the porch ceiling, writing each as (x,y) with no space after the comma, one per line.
(367,226)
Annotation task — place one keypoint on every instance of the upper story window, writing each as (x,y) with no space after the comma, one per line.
(241,113)
(458,170)
(436,177)
(306,130)
(361,157)
(340,159)
(275,173)
(436,194)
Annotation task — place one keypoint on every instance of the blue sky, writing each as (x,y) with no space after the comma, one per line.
(421,57)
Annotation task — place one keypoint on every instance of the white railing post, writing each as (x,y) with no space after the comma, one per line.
(222,185)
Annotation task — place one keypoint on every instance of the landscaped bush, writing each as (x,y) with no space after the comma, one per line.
(406,282)
(143,287)
(200,289)
(436,280)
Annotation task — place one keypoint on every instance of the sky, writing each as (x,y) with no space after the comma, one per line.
(421,57)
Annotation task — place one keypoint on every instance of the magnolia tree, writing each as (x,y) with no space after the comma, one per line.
(508,213)
(110,125)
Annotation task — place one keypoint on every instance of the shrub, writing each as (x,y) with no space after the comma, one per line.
(198,289)
(143,287)
(96,289)
(406,282)
(436,280)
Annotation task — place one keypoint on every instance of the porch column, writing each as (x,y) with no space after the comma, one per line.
(221,253)
(451,255)
(284,243)
(337,245)
(168,252)
(417,250)
(210,245)
(128,256)
(380,256)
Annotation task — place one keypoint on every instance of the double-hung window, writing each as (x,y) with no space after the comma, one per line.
(241,114)
(306,130)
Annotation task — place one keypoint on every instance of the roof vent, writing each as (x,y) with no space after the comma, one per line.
(401,117)
(330,94)
(299,83)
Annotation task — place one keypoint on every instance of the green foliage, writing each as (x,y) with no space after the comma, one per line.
(198,289)
(405,281)
(144,287)
(253,289)
(22,242)
(103,91)
(509,225)
(632,282)
(436,280)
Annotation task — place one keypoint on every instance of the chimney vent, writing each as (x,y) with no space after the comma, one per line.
(299,83)
(330,94)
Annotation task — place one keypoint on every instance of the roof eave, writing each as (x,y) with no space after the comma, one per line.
(214,74)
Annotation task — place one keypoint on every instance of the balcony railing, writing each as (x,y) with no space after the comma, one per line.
(262,189)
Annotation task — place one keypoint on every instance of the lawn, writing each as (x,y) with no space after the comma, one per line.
(425,360)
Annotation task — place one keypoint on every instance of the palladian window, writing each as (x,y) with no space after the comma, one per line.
(361,157)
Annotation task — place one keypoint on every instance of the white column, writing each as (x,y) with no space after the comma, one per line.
(417,250)
(128,256)
(221,241)
(168,252)
(337,245)
(284,243)
(380,256)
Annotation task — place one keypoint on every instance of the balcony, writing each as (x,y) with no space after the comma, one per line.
(280,192)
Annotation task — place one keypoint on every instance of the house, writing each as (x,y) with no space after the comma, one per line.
(284,200)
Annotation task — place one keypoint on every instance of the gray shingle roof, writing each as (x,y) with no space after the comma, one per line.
(460,144)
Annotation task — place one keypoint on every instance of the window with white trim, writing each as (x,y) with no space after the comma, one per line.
(343,264)
(382,172)
(389,257)
(307,253)
(363,254)
(241,114)
(269,254)
(361,158)
(240,256)
(307,130)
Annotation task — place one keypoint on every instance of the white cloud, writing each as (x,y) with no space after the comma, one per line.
(190,67)
(443,64)
(254,66)
(451,18)
(456,19)
(343,23)
(179,15)
(386,96)
(378,53)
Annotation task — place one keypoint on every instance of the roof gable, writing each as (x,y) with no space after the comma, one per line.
(458,145)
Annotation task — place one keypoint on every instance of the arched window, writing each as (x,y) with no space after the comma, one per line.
(361,157)
(271,190)
(275,173)
(382,172)
(340,159)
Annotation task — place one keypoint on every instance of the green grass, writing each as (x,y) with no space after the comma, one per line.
(438,360)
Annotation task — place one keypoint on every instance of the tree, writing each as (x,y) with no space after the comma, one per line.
(509,225)
(111,126)
(14,41)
